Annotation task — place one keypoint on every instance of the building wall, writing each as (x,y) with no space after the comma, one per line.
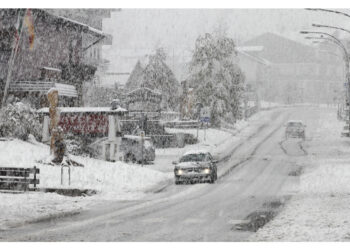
(54,44)
(57,44)
(256,77)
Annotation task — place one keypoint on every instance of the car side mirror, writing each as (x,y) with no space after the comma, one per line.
(215,161)
(174,162)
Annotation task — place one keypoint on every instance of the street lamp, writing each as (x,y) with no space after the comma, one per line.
(336,40)
(333,42)
(331,11)
(322,38)
(324,34)
(330,27)
(345,53)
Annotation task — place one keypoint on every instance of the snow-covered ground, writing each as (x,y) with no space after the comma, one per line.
(320,210)
(117,181)
(217,141)
(113,181)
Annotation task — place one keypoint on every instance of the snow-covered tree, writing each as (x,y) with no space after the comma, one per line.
(19,120)
(135,79)
(216,78)
(157,75)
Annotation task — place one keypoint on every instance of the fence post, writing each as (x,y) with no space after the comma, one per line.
(35,177)
(61,175)
(25,179)
(69,174)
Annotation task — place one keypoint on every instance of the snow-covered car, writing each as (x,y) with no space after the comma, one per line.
(295,129)
(131,146)
(195,166)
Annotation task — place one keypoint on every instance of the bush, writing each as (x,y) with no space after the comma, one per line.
(19,120)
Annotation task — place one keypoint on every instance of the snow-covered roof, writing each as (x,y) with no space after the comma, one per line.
(87,27)
(295,121)
(145,88)
(85,110)
(255,58)
(250,48)
(197,151)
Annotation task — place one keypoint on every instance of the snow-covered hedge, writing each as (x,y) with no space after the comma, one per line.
(18,120)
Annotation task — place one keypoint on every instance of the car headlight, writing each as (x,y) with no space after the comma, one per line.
(180,172)
(206,171)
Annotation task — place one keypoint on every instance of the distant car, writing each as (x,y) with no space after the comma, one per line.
(295,129)
(131,146)
(195,166)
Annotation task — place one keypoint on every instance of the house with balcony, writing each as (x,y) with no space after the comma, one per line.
(57,57)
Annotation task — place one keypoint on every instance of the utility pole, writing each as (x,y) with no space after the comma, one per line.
(15,45)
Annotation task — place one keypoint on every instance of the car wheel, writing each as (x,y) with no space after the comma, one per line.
(212,179)
(127,157)
(177,181)
(133,159)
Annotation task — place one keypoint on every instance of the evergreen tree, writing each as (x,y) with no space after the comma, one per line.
(135,79)
(157,75)
(216,78)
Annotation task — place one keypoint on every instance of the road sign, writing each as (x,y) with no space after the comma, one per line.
(205,119)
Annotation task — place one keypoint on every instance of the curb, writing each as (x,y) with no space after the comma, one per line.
(44,218)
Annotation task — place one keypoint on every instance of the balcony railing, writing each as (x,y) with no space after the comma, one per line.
(43,87)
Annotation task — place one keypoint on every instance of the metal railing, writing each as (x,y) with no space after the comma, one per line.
(44,86)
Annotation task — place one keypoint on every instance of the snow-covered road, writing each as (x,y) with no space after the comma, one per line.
(258,175)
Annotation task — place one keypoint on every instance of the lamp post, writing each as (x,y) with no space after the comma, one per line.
(317,41)
(328,10)
(330,27)
(341,45)
(346,56)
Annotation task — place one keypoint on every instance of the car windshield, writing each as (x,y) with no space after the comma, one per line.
(192,157)
(295,124)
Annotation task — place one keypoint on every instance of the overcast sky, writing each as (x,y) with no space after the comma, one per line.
(138,31)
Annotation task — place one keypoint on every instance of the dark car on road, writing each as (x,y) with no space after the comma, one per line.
(195,166)
(295,129)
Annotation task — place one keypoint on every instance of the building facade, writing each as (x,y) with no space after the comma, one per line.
(297,73)
(55,59)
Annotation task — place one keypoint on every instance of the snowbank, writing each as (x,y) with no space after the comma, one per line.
(116,181)
(110,179)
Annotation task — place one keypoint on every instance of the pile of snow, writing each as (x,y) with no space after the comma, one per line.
(21,208)
(19,120)
(111,180)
